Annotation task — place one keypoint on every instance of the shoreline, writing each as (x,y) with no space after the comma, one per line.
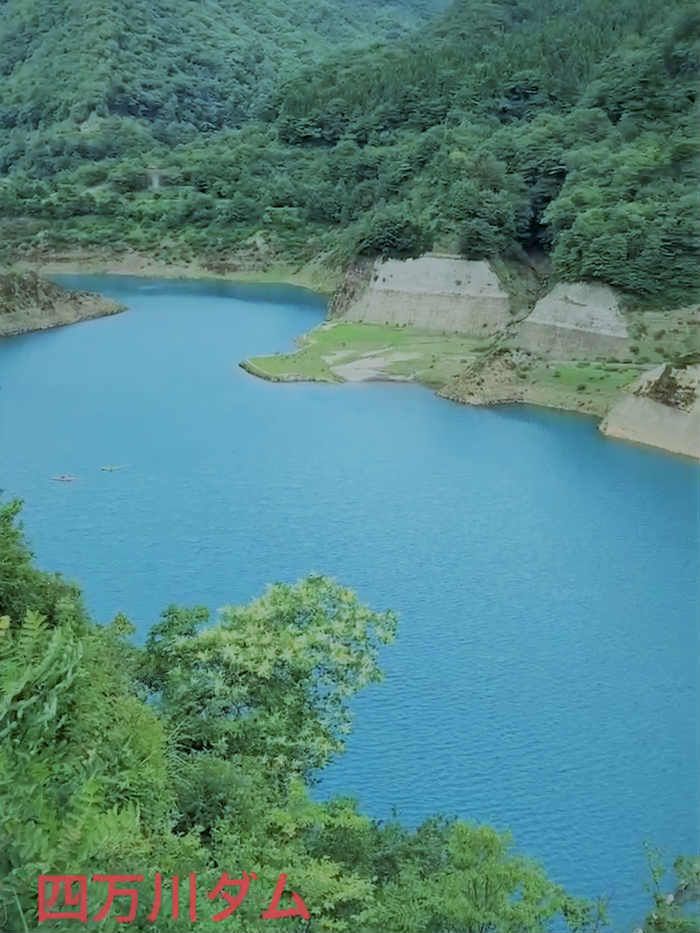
(31,304)
(101,311)
(323,281)
(514,403)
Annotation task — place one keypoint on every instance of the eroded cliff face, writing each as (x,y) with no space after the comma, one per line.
(28,303)
(660,409)
(439,293)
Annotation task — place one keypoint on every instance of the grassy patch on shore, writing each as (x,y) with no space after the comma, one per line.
(432,357)
(605,377)
(573,385)
(436,359)
(661,336)
(589,386)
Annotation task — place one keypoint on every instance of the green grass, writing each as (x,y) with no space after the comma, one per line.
(662,336)
(602,376)
(438,355)
(302,365)
(580,385)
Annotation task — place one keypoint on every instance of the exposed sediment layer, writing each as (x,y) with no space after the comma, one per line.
(649,413)
(437,293)
(29,303)
(577,320)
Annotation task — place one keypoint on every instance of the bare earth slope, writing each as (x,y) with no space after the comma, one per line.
(661,409)
(433,292)
(578,320)
(29,303)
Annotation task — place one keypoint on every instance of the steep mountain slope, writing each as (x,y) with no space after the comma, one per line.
(499,59)
(171,61)
(560,129)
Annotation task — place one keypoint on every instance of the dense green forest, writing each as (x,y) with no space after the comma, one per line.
(179,67)
(195,753)
(563,128)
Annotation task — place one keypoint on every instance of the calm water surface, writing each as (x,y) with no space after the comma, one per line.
(546,677)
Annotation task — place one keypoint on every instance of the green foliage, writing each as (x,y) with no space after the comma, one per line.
(78,742)
(272,679)
(23,588)
(677,911)
(490,209)
(392,232)
(473,882)
(503,126)
(171,65)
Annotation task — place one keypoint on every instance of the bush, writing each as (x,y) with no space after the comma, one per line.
(393,232)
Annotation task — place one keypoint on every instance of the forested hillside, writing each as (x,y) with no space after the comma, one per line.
(173,64)
(503,127)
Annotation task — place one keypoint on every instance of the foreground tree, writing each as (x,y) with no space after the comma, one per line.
(475,883)
(677,911)
(271,680)
(194,755)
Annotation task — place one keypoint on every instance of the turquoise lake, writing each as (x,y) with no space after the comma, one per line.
(546,676)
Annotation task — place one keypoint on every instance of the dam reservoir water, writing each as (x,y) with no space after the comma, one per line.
(546,674)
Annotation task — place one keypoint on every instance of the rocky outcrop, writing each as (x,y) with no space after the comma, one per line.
(440,293)
(489,381)
(661,409)
(28,303)
(356,282)
(576,321)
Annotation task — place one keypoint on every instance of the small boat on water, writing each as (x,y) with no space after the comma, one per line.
(65,478)
(111,469)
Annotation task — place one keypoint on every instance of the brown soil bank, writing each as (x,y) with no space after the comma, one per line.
(29,303)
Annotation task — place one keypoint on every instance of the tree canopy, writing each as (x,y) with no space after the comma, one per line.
(496,128)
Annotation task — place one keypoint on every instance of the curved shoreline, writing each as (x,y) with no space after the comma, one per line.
(317,277)
(392,367)
(29,303)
